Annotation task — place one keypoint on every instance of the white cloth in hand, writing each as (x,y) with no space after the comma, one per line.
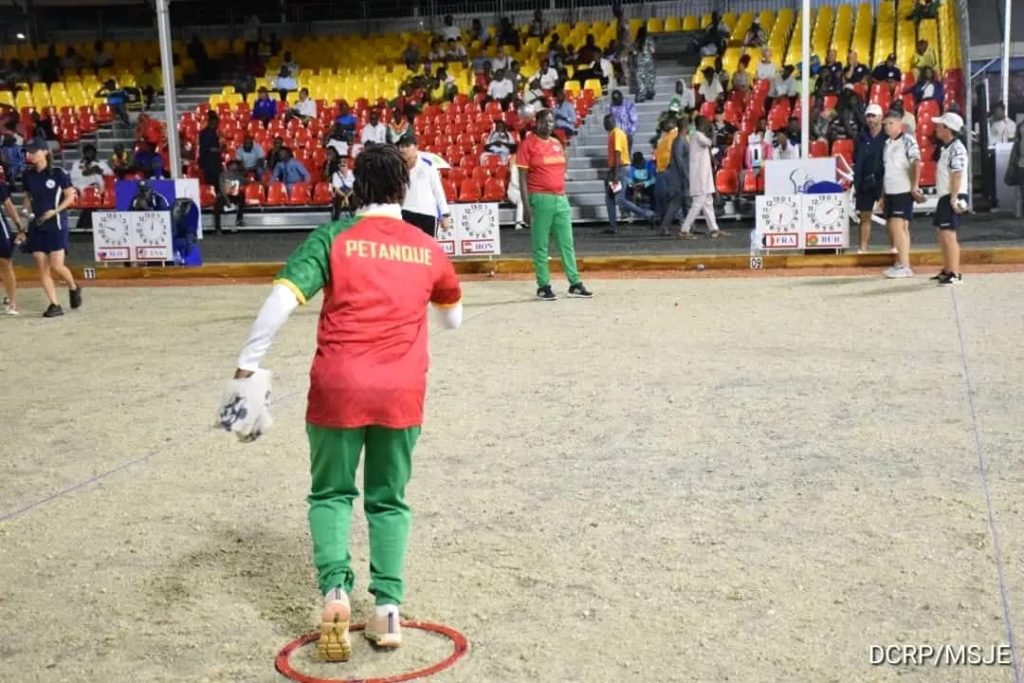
(245,407)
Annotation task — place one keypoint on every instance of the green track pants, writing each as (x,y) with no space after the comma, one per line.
(334,457)
(551,215)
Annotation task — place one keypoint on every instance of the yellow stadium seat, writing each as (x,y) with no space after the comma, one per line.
(673,24)
(594,85)
(655,25)
(691,23)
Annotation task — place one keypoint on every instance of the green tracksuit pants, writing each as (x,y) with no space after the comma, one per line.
(334,457)
(551,215)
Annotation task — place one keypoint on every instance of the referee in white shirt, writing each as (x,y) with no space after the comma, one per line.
(424,200)
(902,162)
(951,180)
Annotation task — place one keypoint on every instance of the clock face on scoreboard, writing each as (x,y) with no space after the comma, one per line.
(781,214)
(113,230)
(150,230)
(825,213)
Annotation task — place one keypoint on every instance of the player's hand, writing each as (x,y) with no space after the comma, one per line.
(245,405)
(959,204)
(47,216)
(880,205)
(446,223)
(19,236)
(917,195)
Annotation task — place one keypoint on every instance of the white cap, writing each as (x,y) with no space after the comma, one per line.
(951,121)
(873,110)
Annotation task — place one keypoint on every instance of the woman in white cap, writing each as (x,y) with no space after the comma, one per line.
(951,178)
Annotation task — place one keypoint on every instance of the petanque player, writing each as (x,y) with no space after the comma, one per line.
(367,384)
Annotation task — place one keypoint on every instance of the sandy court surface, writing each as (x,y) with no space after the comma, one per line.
(680,480)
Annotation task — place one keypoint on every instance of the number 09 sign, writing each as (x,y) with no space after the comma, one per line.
(801,221)
(473,231)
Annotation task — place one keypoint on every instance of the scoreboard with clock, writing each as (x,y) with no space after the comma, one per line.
(126,236)
(473,231)
(801,221)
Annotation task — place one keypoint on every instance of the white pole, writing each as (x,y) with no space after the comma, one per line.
(1006,54)
(163,25)
(805,78)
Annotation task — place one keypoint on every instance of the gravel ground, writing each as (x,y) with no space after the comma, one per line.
(679,480)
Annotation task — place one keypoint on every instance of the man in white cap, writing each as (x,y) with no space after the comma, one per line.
(902,158)
(951,177)
(868,171)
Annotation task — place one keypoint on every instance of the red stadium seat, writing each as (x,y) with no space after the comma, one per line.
(707,110)
(299,195)
(494,190)
(470,161)
(254,195)
(734,158)
(207,196)
(457,175)
(469,191)
(277,194)
(480,174)
(726,181)
(89,198)
(928,109)
(843,148)
(450,189)
(928,174)
(502,173)
(749,183)
(321,194)
(819,149)
(109,200)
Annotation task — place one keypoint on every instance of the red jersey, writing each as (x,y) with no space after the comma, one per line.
(545,163)
(378,273)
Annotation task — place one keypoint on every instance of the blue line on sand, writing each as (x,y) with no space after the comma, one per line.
(28,507)
(983,474)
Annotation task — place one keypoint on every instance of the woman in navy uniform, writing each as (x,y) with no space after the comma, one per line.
(48,195)
(11,235)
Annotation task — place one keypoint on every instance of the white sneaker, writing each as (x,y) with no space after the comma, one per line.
(334,644)
(520,226)
(11,310)
(384,628)
(897,272)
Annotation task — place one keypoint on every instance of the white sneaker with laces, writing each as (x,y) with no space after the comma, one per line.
(384,628)
(898,272)
(11,310)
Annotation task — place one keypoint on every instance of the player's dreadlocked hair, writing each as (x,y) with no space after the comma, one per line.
(381,176)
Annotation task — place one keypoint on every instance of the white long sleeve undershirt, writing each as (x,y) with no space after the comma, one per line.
(272,316)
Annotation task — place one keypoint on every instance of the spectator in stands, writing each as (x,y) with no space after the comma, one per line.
(766,67)
(721,74)
(482,78)
(668,131)
(501,89)
(623,39)
(784,85)
(332,163)
(675,180)
(850,106)
(793,130)
(868,171)
(12,159)
(71,61)
(89,171)
(455,52)
(701,181)
(338,139)
(120,163)
(533,96)
(624,115)
(830,78)
(398,127)
(741,79)
(855,72)
(645,71)
(149,84)
(710,88)
(759,150)
(715,36)
(756,36)
(924,9)
(924,57)
(1001,129)
(284,83)
(374,131)
(289,170)
(565,115)
(231,196)
(500,142)
(928,87)
(276,153)
(100,59)
(42,130)
(478,33)
(450,31)
(348,122)
(908,120)
(116,99)
(411,56)
(252,156)
(548,75)
(437,51)
(148,161)
(209,152)
(618,177)
(501,60)
(150,130)
(538,27)
(343,183)
(887,72)
(684,100)
(197,53)
(641,180)
(820,123)
(785,147)
(254,63)
(425,200)
(263,110)
(304,108)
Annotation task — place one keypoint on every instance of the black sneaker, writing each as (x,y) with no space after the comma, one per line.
(76,297)
(938,276)
(545,293)
(951,279)
(610,231)
(578,291)
(53,311)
